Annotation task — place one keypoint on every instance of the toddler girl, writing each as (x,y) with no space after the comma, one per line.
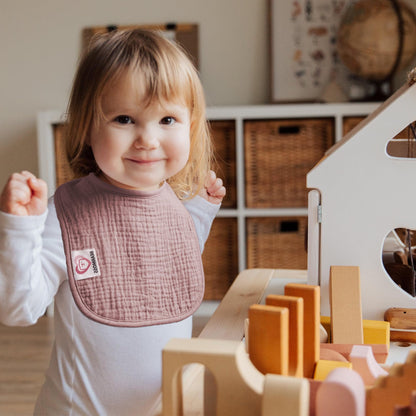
(116,249)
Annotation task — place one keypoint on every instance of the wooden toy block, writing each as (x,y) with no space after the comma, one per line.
(364,363)
(331,355)
(380,351)
(401,318)
(311,323)
(403,336)
(345,303)
(295,308)
(341,394)
(374,332)
(268,338)
(239,385)
(314,386)
(393,390)
(287,396)
(324,367)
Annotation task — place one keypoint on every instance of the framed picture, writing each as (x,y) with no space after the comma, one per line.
(303,47)
(187,35)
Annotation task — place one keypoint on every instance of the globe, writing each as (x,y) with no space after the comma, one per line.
(374,41)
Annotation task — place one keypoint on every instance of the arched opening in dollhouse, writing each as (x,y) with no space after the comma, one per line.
(200,397)
(399,258)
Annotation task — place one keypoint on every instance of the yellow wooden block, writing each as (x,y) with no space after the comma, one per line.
(376,332)
(324,367)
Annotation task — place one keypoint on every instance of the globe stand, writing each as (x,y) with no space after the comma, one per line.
(370,90)
(382,90)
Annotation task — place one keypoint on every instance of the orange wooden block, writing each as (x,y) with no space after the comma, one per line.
(268,338)
(295,307)
(345,300)
(311,323)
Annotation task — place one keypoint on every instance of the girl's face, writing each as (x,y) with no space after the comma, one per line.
(138,146)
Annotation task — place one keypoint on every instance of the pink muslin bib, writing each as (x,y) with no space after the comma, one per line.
(133,258)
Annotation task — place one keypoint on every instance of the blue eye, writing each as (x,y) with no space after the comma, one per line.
(168,120)
(123,119)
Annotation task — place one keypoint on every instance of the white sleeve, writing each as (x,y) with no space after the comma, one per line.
(32,266)
(203,214)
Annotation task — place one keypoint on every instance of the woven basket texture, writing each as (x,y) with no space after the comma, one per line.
(220,258)
(278,242)
(278,156)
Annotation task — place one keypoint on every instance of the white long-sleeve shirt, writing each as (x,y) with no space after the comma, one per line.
(95,369)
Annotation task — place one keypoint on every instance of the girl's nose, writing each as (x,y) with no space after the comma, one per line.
(146,139)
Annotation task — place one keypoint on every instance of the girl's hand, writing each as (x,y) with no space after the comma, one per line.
(24,194)
(214,190)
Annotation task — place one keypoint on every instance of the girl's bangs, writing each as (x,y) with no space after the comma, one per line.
(168,82)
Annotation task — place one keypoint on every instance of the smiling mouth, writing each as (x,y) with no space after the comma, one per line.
(145,161)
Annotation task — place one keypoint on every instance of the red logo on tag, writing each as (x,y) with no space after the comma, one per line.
(82,264)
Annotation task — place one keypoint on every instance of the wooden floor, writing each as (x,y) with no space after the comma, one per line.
(24,356)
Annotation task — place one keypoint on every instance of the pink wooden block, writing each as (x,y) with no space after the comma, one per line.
(341,394)
(364,363)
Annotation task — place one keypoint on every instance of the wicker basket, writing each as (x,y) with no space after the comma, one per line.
(278,155)
(278,242)
(220,258)
(348,123)
(223,136)
(62,170)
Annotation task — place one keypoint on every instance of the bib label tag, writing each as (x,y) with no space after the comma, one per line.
(85,264)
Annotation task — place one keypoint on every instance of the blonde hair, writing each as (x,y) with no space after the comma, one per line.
(169,76)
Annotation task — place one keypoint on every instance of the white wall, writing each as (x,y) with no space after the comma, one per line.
(40,42)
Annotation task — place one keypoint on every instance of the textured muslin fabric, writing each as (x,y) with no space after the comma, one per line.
(133,257)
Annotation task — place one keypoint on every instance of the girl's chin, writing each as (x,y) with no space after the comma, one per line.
(131,184)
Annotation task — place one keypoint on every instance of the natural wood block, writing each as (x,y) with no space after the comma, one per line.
(269,338)
(345,301)
(289,395)
(295,308)
(311,323)
(401,318)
